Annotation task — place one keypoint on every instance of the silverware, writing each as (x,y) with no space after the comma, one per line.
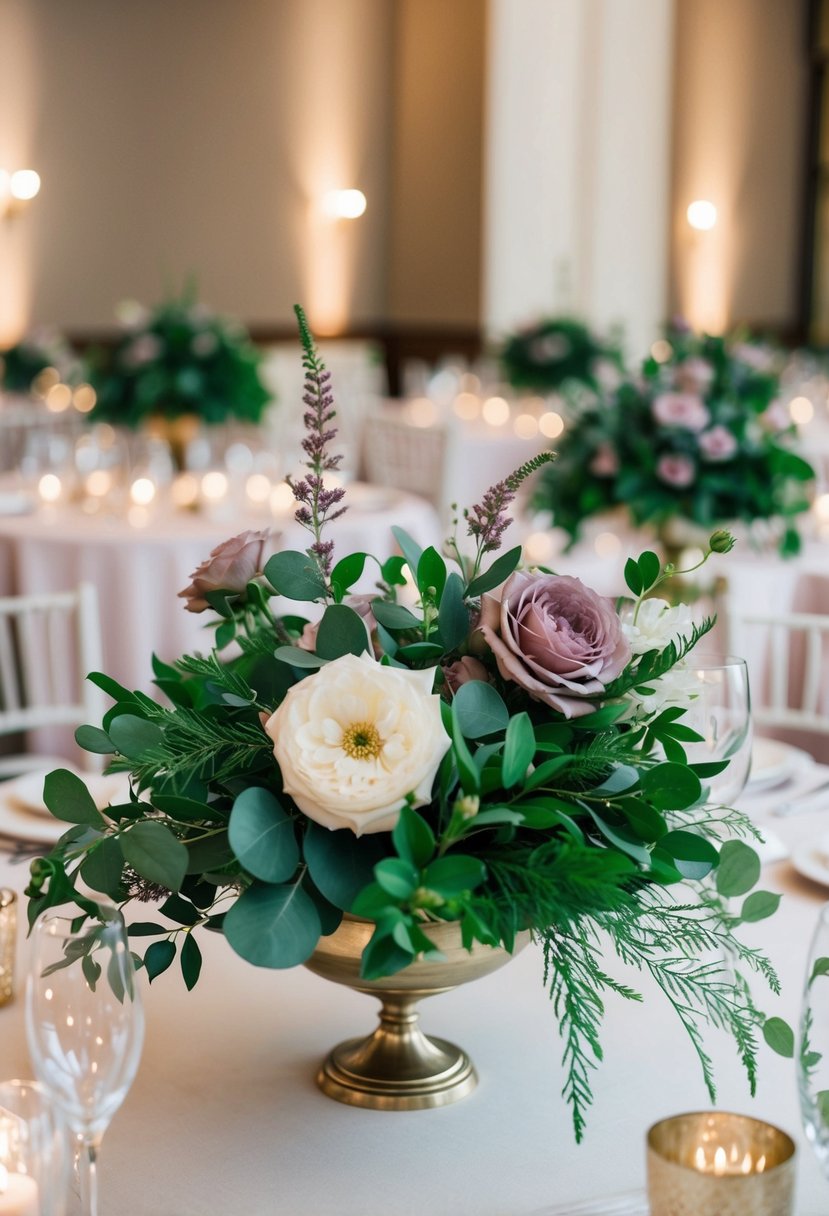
(810,800)
(629,1203)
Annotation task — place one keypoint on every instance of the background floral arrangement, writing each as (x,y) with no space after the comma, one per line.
(177,359)
(505,762)
(700,436)
(23,362)
(553,352)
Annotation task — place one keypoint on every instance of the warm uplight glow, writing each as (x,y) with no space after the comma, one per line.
(24,184)
(49,487)
(801,410)
(344,204)
(496,411)
(702,215)
(551,424)
(142,491)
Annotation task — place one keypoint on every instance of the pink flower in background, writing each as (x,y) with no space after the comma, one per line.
(605,463)
(230,567)
(775,417)
(717,444)
(677,471)
(555,638)
(685,410)
(759,358)
(694,375)
(142,350)
(462,671)
(204,344)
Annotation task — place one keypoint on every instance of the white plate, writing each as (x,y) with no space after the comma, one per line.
(13,503)
(772,763)
(37,824)
(26,793)
(811,860)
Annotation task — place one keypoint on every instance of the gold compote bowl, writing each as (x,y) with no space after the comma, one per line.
(398,1067)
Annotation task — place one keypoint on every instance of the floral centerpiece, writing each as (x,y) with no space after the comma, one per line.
(175,360)
(700,437)
(554,353)
(23,362)
(437,752)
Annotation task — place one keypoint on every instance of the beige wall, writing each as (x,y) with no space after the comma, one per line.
(435,255)
(741,77)
(196,137)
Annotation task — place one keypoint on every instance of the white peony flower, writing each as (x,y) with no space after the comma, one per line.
(355,739)
(657,625)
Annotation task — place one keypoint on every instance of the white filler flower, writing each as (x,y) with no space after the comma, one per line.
(355,739)
(657,624)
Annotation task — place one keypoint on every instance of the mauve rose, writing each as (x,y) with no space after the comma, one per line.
(230,567)
(685,410)
(605,463)
(775,417)
(676,471)
(556,638)
(717,444)
(694,374)
(462,671)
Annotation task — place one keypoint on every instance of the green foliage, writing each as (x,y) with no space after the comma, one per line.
(628,447)
(179,359)
(557,353)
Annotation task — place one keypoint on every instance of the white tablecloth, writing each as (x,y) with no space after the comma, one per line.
(225,1117)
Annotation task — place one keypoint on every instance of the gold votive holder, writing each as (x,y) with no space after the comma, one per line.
(715,1163)
(8,943)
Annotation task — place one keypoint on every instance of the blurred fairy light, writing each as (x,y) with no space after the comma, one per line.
(801,410)
(496,411)
(702,215)
(84,398)
(58,398)
(214,485)
(467,406)
(422,412)
(661,350)
(538,548)
(49,487)
(142,491)
(526,426)
(551,424)
(607,544)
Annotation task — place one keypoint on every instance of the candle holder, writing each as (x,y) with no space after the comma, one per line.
(8,943)
(714,1163)
(34,1153)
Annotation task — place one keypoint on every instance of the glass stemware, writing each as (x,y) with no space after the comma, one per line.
(721,712)
(813,1044)
(85,1027)
(34,1158)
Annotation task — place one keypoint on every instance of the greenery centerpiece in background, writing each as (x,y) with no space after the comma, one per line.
(559,354)
(177,360)
(23,362)
(698,437)
(473,743)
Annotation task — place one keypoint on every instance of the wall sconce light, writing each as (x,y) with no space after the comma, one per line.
(344,204)
(701,215)
(16,190)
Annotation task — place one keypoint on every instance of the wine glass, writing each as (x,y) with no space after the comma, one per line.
(813,1044)
(85,1027)
(720,711)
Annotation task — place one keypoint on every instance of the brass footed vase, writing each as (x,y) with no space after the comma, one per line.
(398,1067)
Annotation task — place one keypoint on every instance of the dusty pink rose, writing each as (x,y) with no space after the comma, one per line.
(685,410)
(775,417)
(693,375)
(717,444)
(556,638)
(605,463)
(361,605)
(676,471)
(462,671)
(230,567)
(755,355)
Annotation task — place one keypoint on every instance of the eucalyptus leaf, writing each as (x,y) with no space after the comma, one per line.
(134,736)
(273,926)
(190,960)
(738,869)
(155,853)
(779,1036)
(93,739)
(101,869)
(453,616)
(158,958)
(409,547)
(479,710)
(262,836)
(340,863)
(68,798)
(454,874)
(341,631)
(519,749)
(295,575)
(394,616)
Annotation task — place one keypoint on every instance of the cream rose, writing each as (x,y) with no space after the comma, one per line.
(355,739)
